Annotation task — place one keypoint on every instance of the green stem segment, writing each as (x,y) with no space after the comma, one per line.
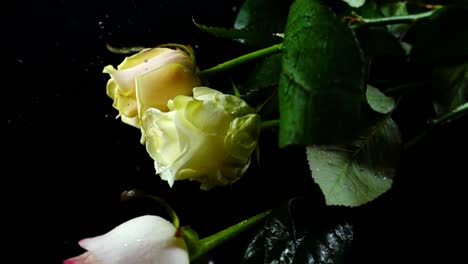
(208,243)
(127,195)
(270,123)
(225,66)
(366,22)
(455,113)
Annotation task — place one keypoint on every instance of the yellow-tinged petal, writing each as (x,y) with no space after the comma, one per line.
(127,106)
(207,117)
(133,121)
(125,76)
(157,87)
(179,102)
(242,136)
(216,135)
(198,92)
(111,89)
(150,78)
(140,57)
(163,145)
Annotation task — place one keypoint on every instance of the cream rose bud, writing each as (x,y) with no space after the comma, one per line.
(149,79)
(209,138)
(146,239)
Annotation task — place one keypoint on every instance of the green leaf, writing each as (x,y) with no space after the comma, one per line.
(369,10)
(378,41)
(262,79)
(396,9)
(330,246)
(265,74)
(378,101)
(321,86)
(239,34)
(292,235)
(356,173)
(442,38)
(450,87)
(355,3)
(256,16)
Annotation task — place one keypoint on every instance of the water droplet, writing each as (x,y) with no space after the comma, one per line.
(345,232)
(332,241)
(287,254)
(324,253)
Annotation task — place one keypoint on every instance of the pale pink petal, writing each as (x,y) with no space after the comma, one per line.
(142,240)
(85,258)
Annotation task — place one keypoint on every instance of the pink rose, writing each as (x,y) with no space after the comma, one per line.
(143,240)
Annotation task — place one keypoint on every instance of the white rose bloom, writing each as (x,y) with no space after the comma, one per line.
(209,138)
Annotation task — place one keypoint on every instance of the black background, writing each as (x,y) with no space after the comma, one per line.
(68,158)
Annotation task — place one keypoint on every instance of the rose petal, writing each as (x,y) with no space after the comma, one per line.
(142,240)
(156,87)
(85,258)
(163,145)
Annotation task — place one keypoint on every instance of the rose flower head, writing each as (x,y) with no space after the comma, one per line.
(208,138)
(146,239)
(150,78)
